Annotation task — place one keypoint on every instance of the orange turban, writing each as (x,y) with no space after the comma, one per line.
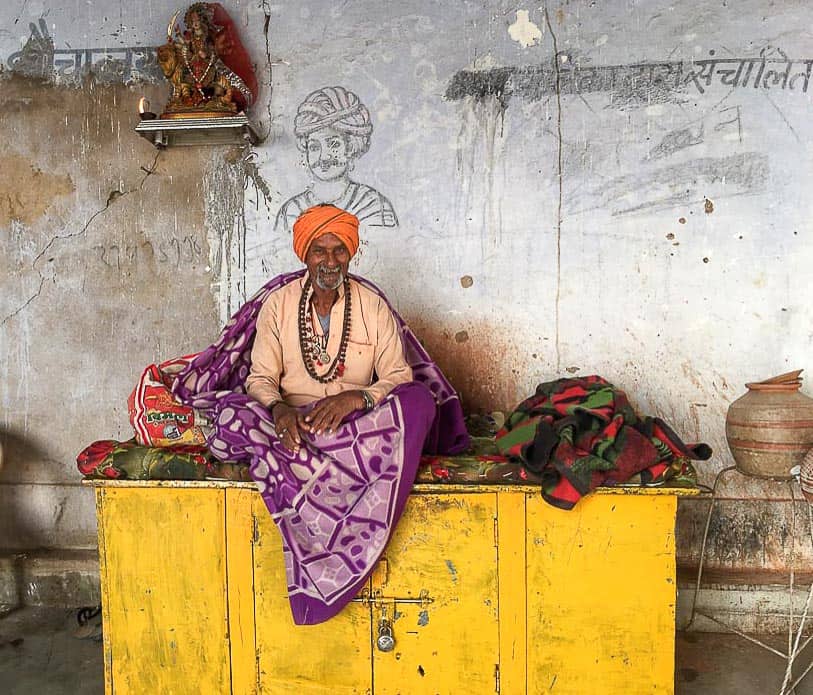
(325,219)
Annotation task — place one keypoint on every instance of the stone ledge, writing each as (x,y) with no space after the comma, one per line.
(750,609)
(743,576)
(59,578)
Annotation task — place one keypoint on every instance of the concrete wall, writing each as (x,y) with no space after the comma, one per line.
(103,267)
(575,194)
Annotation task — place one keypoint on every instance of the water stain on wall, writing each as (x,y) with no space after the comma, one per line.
(480,362)
(29,202)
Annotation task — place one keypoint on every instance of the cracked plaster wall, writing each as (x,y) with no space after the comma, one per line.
(556,217)
(104,268)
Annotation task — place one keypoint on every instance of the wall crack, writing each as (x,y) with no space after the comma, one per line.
(559,160)
(266,8)
(112,197)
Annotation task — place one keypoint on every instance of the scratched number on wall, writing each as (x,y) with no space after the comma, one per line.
(176,253)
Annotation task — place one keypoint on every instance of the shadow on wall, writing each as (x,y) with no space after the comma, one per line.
(12,596)
(16,447)
(16,509)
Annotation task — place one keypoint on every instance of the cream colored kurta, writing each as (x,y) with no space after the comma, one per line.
(374,348)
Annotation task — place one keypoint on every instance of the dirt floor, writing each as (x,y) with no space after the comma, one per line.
(41,654)
(709,663)
(45,651)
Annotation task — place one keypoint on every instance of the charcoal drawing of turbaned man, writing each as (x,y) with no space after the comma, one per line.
(333,129)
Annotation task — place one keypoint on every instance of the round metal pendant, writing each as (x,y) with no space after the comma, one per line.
(324,358)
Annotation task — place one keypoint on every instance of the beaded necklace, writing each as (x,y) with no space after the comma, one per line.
(310,345)
(198,80)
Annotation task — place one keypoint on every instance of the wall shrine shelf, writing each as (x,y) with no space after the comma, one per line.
(220,130)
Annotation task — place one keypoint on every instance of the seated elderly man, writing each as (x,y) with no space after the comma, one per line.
(344,335)
(341,401)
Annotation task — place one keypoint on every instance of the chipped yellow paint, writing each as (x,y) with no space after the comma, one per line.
(163,557)
(525,597)
(533,490)
(601,595)
(444,546)
(240,589)
(511,559)
(333,657)
(417,489)
(107,591)
(185,484)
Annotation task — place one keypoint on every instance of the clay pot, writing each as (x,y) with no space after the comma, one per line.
(770,429)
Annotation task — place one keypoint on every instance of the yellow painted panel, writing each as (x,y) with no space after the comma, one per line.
(511,563)
(107,634)
(601,596)
(240,590)
(163,561)
(333,657)
(444,545)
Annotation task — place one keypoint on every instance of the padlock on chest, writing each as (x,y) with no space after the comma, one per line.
(385,641)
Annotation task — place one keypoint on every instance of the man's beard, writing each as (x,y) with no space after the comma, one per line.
(327,280)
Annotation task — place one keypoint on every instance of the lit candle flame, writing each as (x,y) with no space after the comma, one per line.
(143,105)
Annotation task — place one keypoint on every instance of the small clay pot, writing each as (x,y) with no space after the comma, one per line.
(770,429)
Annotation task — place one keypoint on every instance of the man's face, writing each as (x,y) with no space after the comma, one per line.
(327,154)
(327,260)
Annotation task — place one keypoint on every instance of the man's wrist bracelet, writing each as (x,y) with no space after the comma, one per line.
(369,401)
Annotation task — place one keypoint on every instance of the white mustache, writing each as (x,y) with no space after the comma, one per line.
(329,279)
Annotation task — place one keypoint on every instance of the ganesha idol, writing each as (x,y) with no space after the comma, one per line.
(209,69)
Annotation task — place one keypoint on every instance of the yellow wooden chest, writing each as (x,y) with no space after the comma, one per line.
(483,588)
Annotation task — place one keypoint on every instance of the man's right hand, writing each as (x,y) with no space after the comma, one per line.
(288,422)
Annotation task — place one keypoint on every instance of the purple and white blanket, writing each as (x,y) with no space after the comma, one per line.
(337,501)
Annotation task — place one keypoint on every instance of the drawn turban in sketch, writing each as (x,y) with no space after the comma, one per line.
(333,129)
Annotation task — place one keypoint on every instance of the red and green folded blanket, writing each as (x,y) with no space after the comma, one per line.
(576,434)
